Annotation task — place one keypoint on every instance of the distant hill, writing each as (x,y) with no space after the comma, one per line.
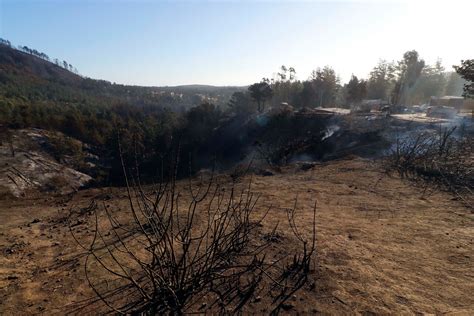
(19,70)
(201,88)
(13,60)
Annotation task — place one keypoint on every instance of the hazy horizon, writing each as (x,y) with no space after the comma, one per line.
(234,43)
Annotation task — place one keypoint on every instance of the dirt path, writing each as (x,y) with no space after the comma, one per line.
(383,247)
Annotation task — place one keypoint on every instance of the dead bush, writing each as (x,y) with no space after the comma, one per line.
(437,158)
(192,249)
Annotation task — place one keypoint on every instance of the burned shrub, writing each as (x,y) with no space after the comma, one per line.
(205,256)
(437,158)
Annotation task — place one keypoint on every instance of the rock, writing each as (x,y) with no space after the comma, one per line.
(265,173)
(36,170)
(287,306)
(36,220)
(307,165)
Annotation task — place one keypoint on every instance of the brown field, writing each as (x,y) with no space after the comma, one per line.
(384,246)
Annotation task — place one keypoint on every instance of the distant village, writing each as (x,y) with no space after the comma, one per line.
(439,109)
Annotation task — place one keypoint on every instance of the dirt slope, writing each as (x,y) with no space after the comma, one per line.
(384,246)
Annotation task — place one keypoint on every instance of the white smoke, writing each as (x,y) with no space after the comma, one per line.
(330,130)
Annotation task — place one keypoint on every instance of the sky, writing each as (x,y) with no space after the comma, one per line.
(157,43)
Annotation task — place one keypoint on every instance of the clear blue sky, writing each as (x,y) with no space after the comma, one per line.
(238,42)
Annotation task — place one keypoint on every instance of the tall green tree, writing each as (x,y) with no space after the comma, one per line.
(321,89)
(466,70)
(356,90)
(431,82)
(285,87)
(261,92)
(241,104)
(409,70)
(381,81)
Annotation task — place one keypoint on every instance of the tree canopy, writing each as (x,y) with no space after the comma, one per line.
(356,90)
(466,70)
(261,92)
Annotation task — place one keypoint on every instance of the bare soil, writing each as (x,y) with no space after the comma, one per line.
(383,245)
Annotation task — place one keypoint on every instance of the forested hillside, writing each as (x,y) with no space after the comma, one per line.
(35,92)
